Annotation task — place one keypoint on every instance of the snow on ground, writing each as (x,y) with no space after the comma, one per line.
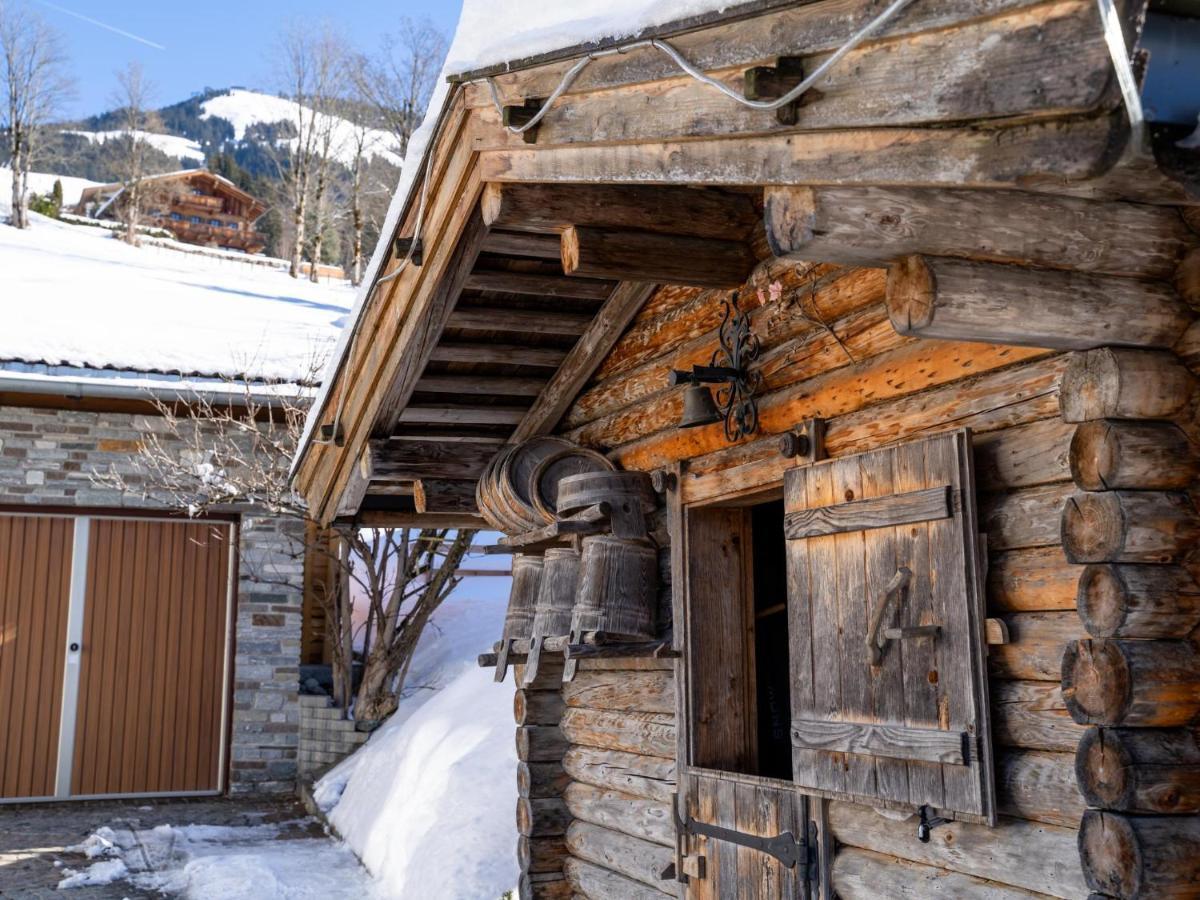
(427,802)
(43,183)
(76,296)
(243,108)
(208,862)
(170,144)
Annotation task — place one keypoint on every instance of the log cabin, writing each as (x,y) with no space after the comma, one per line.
(195,205)
(921,615)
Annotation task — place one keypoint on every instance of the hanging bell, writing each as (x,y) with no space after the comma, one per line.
(698,407)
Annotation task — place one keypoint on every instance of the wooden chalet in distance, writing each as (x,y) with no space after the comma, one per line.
(195,205)
(920,609)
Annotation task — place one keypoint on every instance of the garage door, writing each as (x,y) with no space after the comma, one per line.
(114,656)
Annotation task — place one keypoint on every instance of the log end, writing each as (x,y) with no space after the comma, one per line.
(1093,527)
(911,292)
(569,249)
(789,214)
(1096,682)
(1101,599)
(1093,455)
(491,203)
(1110,855)
(1102,770)
(1090,386)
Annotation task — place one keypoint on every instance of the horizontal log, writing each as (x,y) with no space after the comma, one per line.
(1187,348)
(1032,714)
(541,779)
(629,856)
(645,256)
(1112,383)
(440,495)
(646,819)
(598,883)
(1036,857)
(632,732)
(537,707)
(871,226)
(1187,277)
(1024,456)
(503,281)
(419,414)
(542,817)
(863,875)
(1128,601)
(1129,526)
(412,460)
(648,777)
(1133,683)
(498,354)
(540,743)
(1034,580)
(668,210)
(652,691)
(1037,641)
(1140,770)
(1146,456)
(1016,520)
(628,664)
(491,386)
(1038,786)
(518,321)
(951,299)
(1132,857)
(542,854)
(515,243)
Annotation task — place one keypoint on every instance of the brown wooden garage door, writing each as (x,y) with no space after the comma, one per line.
(113,656)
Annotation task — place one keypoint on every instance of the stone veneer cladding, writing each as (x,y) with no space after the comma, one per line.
(48,457)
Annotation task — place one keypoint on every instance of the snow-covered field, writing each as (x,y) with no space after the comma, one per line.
(42,183)
(427,803)
(76,296)
(170,144)
(243,108)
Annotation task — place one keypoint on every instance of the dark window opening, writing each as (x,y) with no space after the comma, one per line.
(771,657)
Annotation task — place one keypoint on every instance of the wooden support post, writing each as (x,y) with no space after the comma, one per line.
(1118,601)
(1134,857)
(1140,770)
(954,299)
(873,226)
(646,256)
(443,496)
(1110,455)
(1112,383)
(1132,683)
(1129,526)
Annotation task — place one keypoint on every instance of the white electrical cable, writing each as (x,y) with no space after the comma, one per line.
(1114,37)
(689,69)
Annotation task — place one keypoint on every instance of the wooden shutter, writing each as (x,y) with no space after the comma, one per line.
(907,725)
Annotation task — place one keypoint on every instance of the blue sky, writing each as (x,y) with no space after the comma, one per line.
(217,43)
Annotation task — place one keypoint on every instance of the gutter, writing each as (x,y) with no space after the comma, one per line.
(100,389)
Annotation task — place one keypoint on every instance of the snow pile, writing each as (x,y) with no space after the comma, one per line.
(242,109)
(102,843)
(427,802)
(104,872)
(170,144)
(76,296)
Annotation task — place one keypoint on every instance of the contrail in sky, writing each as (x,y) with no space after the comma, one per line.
(105,26)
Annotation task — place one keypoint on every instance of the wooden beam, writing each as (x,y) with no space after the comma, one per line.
(669,210)
(393,459)
(383,518)
(519,321)
(498,354)
(874,226)
(1111,383)
(512,243)
(538,285)
(439,495)
(645,256)
(481,385)
(584,358)
(931,297)
(466,415)
(1140,857)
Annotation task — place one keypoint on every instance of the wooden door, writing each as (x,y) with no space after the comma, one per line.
(35,587)
(889,537)
(150,708)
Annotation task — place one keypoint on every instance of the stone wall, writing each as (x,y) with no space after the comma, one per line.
(326,736)
(49,457)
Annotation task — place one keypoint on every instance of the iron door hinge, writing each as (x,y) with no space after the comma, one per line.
(792,852)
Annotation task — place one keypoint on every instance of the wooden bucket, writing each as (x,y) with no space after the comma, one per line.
(554,469)
(556,593)
(578,492)
(618,588)
(486,494)
(522,598)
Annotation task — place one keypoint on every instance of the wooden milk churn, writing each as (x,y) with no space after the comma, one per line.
(618,580)
(522,602)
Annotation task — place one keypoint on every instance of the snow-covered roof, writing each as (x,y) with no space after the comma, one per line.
(74,296)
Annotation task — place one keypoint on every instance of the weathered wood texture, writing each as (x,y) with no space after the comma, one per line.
(1039,786)
(1130,601)
(651,692)
(1129,526)
(598,883)
(1134,683)
(1140,856)
(1125,384)
(1037,641)
(541,779)
(632,732)
(632,857)
(1034,580)
(636,774)
(1146,456)
(646,256)
(540,743)
(646,819)
(873,226)
(1138,770)
(960,300)
(1033,715)
(863,875)
(542,817)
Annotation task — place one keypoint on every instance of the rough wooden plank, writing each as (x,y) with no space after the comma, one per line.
(1016,520)
(1039,786)
(893,741)
(498,354)
(518,321)
(1024,456)
(440,495)
(877,512)
(863,875)
(428,414)
(402,459)
(644,256)
(502,281)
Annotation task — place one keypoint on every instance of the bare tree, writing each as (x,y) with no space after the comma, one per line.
(35,85)
(328,149)
(132,99)
(310,64)
(211,456)
(398,80)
